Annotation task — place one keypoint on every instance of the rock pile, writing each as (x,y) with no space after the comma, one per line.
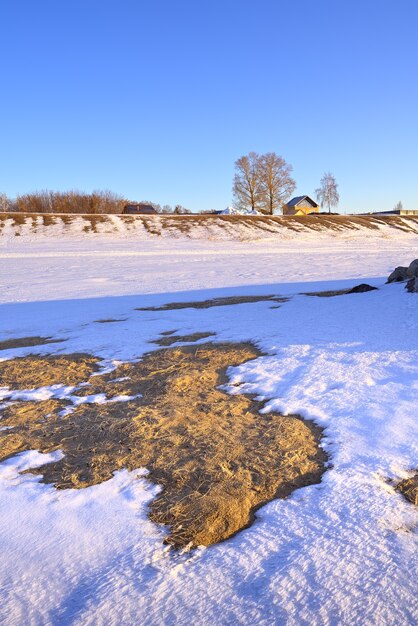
(409,274)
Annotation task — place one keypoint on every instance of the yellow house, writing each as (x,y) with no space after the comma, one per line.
(300,205)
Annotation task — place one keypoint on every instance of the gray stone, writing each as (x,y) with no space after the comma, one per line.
(398,275)
(412,285)
(361,288)
(413,269)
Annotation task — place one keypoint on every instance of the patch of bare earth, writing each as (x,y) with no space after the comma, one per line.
(110,320)
(207,304)
(327,294)
(409,489)
(35,371)
(27,342)
(215,456)
(363,288)
(170,339)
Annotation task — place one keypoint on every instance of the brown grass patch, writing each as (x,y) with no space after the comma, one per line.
(409,489)
(363,288)
(110,320)
(207,304)
(170,339)
(327,294)
(34,371)
(215,456)
(157,225)
(27,342)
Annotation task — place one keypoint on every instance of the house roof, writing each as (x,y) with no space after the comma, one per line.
(297,199)
(139,207)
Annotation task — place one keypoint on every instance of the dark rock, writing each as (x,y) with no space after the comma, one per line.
(412,270)
(361,288)
(398,275)
(412,285)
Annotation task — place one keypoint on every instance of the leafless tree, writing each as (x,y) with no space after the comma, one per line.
(181,210)
(398,207)
(327,193)
(98,202)
(4,203)
(277,185)
(247,188)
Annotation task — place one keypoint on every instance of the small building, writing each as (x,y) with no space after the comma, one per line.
(300,205)
(139,208)
(396,212)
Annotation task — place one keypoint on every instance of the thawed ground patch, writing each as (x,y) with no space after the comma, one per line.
(207,304)
(363,288)
(27,342)
(169,339)
(409,488)
(215,456)
(41,371)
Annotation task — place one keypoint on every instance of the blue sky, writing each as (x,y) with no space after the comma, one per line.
(156,99)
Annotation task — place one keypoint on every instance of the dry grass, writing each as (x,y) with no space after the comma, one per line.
(169,339)
(34,371)
(215,456)
(207,304)
(110,320)
(27,342)
(409,488)
(327,294)
(185,224)
(363,288)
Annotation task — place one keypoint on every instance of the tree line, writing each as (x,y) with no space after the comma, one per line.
(76,202)
(262,183)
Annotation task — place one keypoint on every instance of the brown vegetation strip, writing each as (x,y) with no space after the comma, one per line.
(40,371)
(409,488)
(215,456)
(110,321)
(158,224)
(169,340)
(363,288)
(27,342)
(207,304)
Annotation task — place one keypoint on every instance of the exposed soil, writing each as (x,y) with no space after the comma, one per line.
(110,321)
(363,288)
(327,294)
(170,339)
(207,304)
(409,488)
(215,456)
(27,342)
(34,371)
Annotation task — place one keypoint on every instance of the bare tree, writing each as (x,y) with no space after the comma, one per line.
(398,207)
(276,182)
(327,193)
(247,182)
(4,203)
(98,202)
(181,210)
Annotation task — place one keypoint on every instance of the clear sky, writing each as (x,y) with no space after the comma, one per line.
(156,99)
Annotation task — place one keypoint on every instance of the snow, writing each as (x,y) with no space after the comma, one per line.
(341,552)
(230,210)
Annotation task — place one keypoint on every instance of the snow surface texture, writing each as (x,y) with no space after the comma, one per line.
(342,552)
(230,210)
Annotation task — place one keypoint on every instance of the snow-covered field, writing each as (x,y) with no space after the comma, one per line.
(341,552)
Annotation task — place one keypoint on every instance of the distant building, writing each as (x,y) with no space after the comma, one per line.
(395,212)
(139,209)
(300,205)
